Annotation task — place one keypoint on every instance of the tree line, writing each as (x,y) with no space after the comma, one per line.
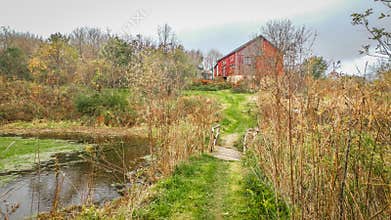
(87,56)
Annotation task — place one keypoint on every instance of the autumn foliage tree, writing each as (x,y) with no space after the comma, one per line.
(13,63)
(55,61)
(316,66)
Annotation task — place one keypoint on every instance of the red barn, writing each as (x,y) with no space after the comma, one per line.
(254,59)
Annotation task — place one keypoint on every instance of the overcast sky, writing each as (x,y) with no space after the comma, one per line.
(201,24)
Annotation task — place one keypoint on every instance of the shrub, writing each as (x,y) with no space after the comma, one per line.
(95,103)
(208,85)
(22,100)
(240,88)
(112,105)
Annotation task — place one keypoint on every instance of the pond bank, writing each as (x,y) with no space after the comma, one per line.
(75,132)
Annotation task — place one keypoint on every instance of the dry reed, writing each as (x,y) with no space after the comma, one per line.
(328,147)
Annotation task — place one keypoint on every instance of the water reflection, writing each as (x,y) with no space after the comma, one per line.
(80,177)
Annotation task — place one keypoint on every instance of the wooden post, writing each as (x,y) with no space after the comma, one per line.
(211,141)
(250,135)
(214,135)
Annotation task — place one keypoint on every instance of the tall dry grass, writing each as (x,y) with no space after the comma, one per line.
(327,147)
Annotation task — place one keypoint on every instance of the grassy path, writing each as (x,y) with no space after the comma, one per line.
(206,187)
(237,110)
(209,188)
(203,188)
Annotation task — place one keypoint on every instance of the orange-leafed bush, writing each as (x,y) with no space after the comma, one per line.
(22,100)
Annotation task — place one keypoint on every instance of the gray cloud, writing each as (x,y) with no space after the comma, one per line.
(202,24)
(337,38)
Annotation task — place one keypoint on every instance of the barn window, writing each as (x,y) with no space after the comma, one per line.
(247,60)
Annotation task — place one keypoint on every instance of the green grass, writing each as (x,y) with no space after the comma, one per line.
(263,203)
(209,188)
(236,115)
(202,188)
(235,203)
(18,153)
(188,193)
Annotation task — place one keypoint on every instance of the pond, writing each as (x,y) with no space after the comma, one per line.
(75,176)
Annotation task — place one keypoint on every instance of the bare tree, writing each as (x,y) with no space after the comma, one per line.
(196,57)
(167,38)
(5,35)
(295,43)
(88,41)
(95,39)
(211,58)
(78,39)
(24,40)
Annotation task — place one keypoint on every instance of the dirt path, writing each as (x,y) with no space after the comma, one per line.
(227,152)
(230,139)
